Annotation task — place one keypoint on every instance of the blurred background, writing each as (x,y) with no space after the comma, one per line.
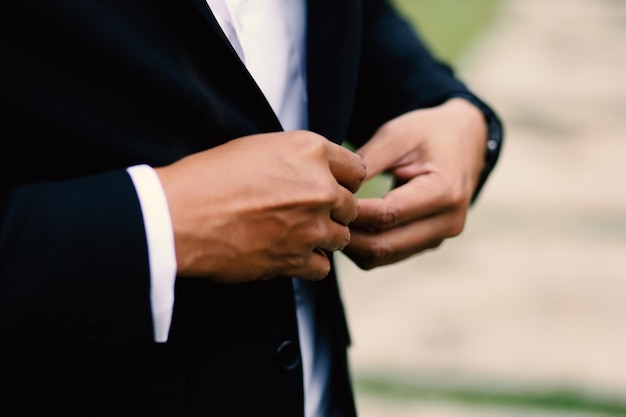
(523,314)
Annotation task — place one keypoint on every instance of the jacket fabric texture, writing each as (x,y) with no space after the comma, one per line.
(91,87)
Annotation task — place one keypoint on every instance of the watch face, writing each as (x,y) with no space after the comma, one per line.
(494,134)
(492,145)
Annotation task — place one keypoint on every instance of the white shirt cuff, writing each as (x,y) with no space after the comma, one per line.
(161,250)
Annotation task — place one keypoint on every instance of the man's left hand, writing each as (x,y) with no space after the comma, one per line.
(436,156)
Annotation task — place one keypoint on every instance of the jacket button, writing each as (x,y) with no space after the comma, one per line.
(288,355)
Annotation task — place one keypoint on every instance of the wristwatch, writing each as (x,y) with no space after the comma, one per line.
(495,137)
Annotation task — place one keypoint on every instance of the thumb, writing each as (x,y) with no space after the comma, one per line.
(383,152)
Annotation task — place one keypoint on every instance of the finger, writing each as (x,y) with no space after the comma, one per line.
(346,207)
(316,268)
(383,151)
(336,237)
(417,199)
(347,167)
(369,250)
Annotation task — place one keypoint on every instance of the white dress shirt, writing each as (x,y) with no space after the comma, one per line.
(269,38)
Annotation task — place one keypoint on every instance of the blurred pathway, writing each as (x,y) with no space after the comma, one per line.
(533,293)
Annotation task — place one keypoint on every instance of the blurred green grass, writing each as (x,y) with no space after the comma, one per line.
(551,400)
(448,26)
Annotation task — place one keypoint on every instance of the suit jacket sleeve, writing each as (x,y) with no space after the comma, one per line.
(88,89)
(74,266)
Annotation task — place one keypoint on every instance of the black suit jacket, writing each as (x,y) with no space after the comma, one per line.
(91,87)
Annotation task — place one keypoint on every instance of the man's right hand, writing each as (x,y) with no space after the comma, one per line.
(262,206)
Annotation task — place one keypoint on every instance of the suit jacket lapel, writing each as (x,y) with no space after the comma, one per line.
(204,9)
(239,77)
(333,36)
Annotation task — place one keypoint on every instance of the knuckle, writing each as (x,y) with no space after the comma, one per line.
(455,196)
(315,231)
(314,143)
(344,240)
(377,251)
(295,262)
(381,249)
(354,203)
(434,244)
(328,195)
(386,218)
(320,194)
(322,273)
(456,227)
(309,144)
(361,174)
(366,265)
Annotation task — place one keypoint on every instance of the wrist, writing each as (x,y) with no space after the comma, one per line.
(494,137)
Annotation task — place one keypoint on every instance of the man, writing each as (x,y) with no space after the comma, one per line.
(176,186)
